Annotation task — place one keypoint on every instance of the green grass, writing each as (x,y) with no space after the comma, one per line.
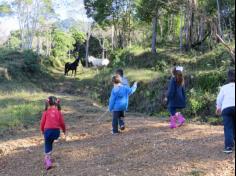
(196,173)
(144,75)
(20,109)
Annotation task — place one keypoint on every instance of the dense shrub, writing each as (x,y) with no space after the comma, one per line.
(31,62)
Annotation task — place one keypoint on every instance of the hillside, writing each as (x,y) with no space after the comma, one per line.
(147,147)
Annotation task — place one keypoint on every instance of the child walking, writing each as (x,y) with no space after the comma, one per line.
(124,82)
(118,102)
(176,97)
(51,123)
(226,108)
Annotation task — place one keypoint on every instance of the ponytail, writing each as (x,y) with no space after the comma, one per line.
(53,101)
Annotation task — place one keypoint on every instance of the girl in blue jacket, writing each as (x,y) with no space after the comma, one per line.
(176,97)
(118,102)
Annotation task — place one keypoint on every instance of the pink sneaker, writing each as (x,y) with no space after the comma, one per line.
(47,162)
(180,118)
(173,122)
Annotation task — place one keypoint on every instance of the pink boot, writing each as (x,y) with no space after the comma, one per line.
(173,122)
(180,118)
(47,162)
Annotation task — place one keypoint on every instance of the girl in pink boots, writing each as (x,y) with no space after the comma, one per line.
(176,97)
(51,123)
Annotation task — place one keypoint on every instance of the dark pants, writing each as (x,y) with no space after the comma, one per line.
(118,119)
(173,110)
(50,135)
(228,115)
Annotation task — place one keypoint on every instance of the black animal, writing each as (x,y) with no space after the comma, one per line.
(72,66)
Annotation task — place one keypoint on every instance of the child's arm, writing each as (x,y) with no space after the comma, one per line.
(184,93)
(171,90)
(43,121)
(62,122)
(112,101)
(219,101)
(133,88)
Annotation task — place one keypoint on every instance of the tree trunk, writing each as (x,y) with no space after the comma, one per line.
(103,48)
(161,28)
(202,30)
(112,37)
(154,34)
(219,18)
(87,45)
(181,31)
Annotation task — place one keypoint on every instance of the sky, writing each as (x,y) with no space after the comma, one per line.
(64,8)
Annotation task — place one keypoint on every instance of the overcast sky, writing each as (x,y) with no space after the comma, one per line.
(64,8)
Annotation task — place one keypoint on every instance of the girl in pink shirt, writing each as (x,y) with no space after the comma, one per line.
(51,123)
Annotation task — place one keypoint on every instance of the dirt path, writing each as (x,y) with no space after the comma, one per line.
(147,148)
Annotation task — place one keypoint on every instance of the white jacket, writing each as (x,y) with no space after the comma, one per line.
(226,97)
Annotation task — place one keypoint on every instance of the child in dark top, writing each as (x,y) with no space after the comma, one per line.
(118,102)
(51,123)
(176,97)
(124,82)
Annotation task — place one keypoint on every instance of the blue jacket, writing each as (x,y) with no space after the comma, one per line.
(176,95)
(119,99)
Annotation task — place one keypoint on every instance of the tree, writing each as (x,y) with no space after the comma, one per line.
(62,43)
(5,9)
(30,13)
(150,11)
(116,13)
(14,40)
(80,39)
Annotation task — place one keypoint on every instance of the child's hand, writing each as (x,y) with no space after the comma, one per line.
(218,112)
(63,137)
(136,84)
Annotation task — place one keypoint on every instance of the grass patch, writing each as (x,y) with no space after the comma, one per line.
(143,75)
(20,109)
(196,173)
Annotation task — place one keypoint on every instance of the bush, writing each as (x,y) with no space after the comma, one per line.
(210,81)
(200,103)
(31,62)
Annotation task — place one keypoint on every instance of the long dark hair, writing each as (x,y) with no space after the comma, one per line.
(178,76)
(52,101)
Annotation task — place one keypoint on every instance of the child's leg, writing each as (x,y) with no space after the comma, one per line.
(173,117)
(172,111)
(122,120)
(115,122)
(180,118)
(50,135)
(228,128)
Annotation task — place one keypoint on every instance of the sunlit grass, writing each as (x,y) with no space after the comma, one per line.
(143,75)
(20,109)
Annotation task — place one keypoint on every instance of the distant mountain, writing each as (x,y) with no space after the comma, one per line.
(68,23)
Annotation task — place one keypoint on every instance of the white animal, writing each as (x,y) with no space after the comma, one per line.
(98,62)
